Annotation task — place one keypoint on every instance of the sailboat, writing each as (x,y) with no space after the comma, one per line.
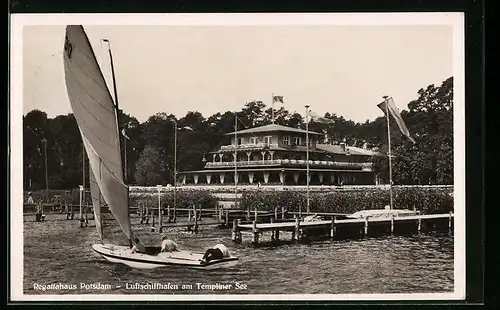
(97,118)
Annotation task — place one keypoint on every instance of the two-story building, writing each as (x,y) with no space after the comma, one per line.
(276,154)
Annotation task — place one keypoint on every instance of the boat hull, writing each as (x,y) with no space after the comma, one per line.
(382,213)
(123,255)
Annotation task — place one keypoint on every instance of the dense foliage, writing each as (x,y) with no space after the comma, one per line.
(183,199)
(428,200)
(150,150)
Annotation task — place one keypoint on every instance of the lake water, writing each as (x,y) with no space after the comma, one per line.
(59,252)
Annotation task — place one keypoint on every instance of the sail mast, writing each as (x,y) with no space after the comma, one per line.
(117,108)
(389,150)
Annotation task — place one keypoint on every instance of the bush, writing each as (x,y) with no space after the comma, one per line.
(428,200)
(147,195)
(184,199)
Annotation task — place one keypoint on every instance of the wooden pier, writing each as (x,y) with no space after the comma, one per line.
(361,226)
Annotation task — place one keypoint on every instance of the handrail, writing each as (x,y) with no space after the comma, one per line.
(248,146)
(286,162)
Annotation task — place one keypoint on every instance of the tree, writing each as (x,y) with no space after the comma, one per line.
(35,128)
(150,169)
(253,114)
(430,121)
(150,150)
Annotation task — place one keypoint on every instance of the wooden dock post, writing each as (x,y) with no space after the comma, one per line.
(419,226)
(248,213)
(234,230)
(366,225)
(195,222)
(392,223)
(255,217)
(296,231)
(238,232)
(189,215)
(139,210)
(255,233)
(332,228)
(272,231)
(276,213)
(449,220)
(153,225)
(227,218)
(282,213)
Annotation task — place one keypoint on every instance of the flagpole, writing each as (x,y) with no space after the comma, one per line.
(83,171)
(175,170)
(389,150)
(235,160)
(125,155)
(272,107)
(307,155)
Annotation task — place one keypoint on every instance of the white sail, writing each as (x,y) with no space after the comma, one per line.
(95,194)
(95,114)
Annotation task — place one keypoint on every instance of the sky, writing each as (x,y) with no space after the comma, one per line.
(341,69)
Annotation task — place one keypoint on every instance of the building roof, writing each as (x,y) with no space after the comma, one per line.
(336,149)
(272,127)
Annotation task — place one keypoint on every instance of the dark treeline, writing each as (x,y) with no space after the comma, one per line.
(150,150)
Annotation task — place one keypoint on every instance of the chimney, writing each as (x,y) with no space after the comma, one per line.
(342,146)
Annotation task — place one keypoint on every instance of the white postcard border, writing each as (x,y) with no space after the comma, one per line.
(18,21)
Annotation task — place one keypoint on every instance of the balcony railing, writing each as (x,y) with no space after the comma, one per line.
(291,162)
(248,146)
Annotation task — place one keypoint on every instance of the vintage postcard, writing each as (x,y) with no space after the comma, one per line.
(217,157)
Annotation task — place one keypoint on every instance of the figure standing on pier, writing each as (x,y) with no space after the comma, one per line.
(39,216)
(30,198)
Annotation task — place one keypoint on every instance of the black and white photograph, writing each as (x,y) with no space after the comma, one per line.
(237,157)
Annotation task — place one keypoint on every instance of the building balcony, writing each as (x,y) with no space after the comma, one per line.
(290,163)
(248,146)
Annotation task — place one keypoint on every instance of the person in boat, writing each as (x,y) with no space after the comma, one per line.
(219,251)
(138,246)
(168,245)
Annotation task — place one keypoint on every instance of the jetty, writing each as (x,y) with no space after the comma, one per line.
(301,229)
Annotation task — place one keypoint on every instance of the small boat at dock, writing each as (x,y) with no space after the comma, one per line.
(382,213)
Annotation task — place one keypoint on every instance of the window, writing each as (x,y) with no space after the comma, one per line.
(253,140)
(286,140)
(267,140)
(310,142)
(296,140)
